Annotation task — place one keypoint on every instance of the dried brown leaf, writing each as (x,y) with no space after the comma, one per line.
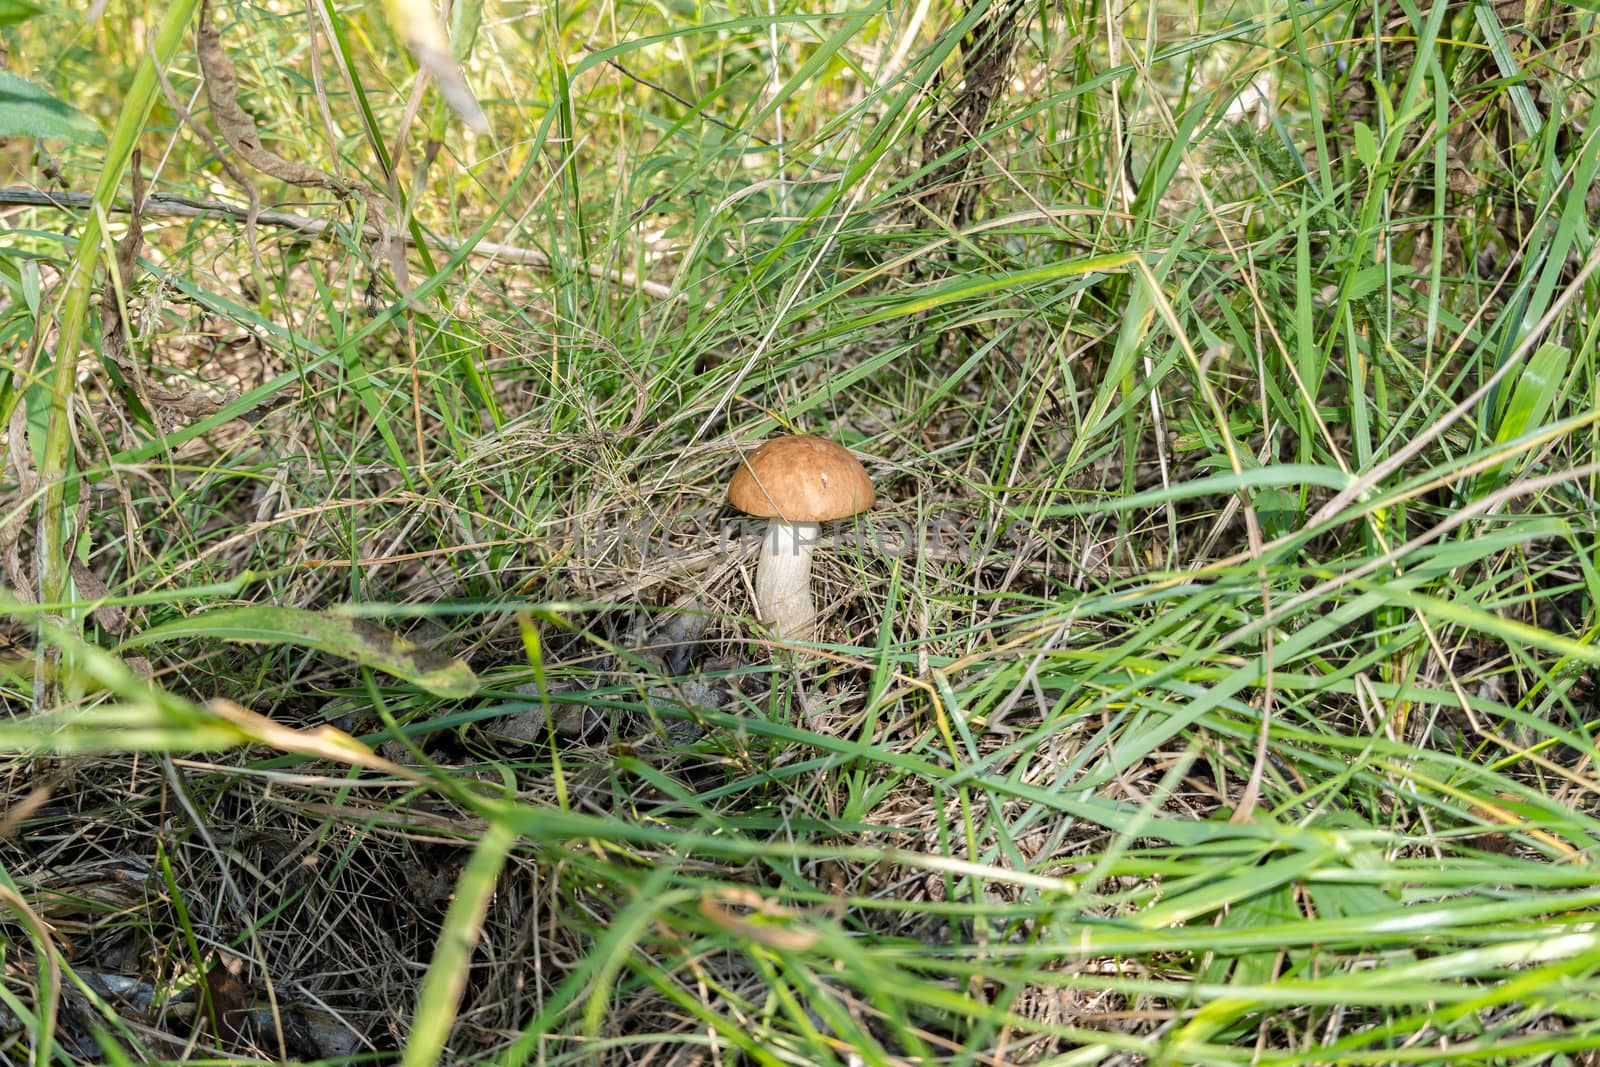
(239,129)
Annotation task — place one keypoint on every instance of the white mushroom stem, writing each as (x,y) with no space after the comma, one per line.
(783,579)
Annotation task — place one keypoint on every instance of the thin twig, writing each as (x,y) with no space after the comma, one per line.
(685,101)
(176,205)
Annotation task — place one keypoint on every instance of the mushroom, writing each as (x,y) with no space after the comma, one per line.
(797,482)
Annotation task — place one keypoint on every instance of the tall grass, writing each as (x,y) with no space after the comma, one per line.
(1212,683)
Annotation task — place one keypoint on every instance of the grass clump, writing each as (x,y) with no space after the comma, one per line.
(1212,682)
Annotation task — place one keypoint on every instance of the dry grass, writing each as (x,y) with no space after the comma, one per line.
(1096,761)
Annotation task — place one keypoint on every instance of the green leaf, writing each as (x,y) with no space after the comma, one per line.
(1230,890)
(15,11)
(1538,386)
(340,635)
(1369,280)
(28,111)
(1366,145)
(1275,906)
(1279,511)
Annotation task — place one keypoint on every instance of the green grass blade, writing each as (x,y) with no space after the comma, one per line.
(440,996)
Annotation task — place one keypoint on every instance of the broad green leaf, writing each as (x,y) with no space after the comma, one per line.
(1366,145)
(28,111)
(1276,905)
(1279,511)
(466,16)
(1537,388)
(15,11)
(1225,891)
(341,635)
(1369,280)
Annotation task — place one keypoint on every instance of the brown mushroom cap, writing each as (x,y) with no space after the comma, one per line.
(801,479)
